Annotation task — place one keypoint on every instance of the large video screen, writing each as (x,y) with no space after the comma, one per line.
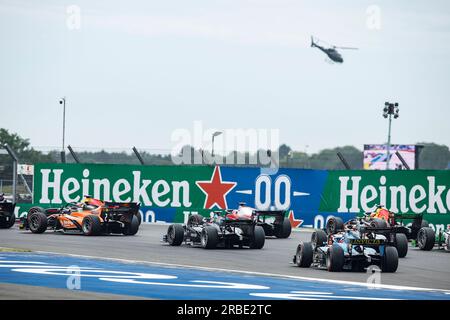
(375,156)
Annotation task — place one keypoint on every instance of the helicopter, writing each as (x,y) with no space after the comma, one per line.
(331,52)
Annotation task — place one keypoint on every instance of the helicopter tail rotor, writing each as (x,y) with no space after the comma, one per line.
(312,42)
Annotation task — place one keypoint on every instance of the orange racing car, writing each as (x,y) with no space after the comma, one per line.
(91,217)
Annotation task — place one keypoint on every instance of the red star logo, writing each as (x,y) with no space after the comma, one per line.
(294,222)
(216,190)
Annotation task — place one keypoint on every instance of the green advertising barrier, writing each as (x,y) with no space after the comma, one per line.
(159,186)
(424,192)
(169,193)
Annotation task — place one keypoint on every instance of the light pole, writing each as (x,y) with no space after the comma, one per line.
(390,109)
(215,134)
(63,153)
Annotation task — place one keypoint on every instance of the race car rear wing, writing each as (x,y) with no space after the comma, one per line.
(388,232)
(121,207)
(273,213)
(380,230)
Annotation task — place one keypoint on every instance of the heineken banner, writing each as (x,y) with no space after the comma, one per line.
(171,193)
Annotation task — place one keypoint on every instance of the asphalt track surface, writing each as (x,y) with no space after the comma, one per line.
(418,269)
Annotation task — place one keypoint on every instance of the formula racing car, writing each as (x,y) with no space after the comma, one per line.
(90,217)
(355,247)
(274,222)
(222,229)
(7,216)
(383,218)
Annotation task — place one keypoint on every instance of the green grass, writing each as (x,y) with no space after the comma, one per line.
(13,250)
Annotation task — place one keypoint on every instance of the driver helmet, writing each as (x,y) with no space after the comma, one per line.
(90,203)
(381,213)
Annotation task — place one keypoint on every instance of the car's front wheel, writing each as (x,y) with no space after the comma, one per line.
(318,239)
(304,255)
(175,234)
(426,238)
(37,222)
(209,237)
(334,224)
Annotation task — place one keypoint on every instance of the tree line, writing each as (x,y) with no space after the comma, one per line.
(432,156)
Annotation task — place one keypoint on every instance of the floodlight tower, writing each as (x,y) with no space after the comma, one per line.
(390,109)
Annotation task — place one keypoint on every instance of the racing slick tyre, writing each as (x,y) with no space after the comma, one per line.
(139,217)
(389,262)
(283,230)
(37,221)
(91,225)
(401,243)
(7,222)
(334,225)
(175,234)
(195,220)
(304,255)
(318,239)
(131,228)
(209,237)
(259,238)
(335,258)
(426,238)
(378,223)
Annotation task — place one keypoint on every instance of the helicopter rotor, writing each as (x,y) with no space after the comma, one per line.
(346,48)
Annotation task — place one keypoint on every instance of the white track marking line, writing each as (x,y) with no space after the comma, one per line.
(345,282)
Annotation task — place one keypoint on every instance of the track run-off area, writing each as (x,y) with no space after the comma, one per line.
(141,266)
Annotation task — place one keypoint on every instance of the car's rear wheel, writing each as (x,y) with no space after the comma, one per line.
(304,255)
(283,230)
(389,262)
(91,225)
(334,225)
(318,238)
(8,220)
(209,237)
(139,217)
(259,238)
(131,228)
(426,238)
(37,222)
(335,258)
(175,234)
(401,243)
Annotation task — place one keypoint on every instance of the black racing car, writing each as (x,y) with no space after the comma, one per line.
(353,247)
(233,228)
(397,223)
(7,216)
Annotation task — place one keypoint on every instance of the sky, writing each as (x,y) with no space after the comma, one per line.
(134,72)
